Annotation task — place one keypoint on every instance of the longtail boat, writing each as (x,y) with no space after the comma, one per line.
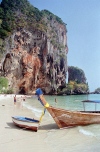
(26,123)
(66,118)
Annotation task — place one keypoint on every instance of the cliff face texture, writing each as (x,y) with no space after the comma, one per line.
(35,58)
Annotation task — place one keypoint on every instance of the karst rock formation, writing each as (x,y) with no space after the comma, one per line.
(34,58)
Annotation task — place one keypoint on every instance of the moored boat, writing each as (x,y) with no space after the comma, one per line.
(26,123)
(66,118)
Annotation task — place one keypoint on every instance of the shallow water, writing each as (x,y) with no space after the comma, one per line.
(81,138)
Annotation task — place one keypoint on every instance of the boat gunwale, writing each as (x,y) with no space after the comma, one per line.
(75,111)
(26,120)
(91,101)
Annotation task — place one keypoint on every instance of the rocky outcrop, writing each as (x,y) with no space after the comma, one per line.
(34,58)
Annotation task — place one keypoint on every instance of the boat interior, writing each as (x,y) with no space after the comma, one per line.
(90,111)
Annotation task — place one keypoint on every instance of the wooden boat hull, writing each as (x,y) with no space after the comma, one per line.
(26,123)
(66,118)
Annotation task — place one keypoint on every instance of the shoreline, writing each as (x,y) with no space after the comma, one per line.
(48,138)
(13,138)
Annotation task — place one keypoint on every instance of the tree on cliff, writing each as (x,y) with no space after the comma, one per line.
(19,14)
(28,34)
(76,74)
(97,91)
(76,82)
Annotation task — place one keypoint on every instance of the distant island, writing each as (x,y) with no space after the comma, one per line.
(76,82)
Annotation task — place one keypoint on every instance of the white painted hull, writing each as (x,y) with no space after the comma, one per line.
(26,124)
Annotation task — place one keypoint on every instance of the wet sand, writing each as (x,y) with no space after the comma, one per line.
(49,137)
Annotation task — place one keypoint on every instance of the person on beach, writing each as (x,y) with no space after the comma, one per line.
(21,101)
(55,100)
(24,99)
(21,98)
(15,99)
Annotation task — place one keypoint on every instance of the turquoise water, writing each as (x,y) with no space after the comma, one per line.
(76,139)
(72,102)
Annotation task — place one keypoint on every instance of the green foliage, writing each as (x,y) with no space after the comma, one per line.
(60,46)
(1,12)
(76,81)
(16,14)
(1,42)
(77,88)
(3,33)
(3,82)
(74,88)
(59,20)
(52,16)
(19,14)
(76,74)
(4,86)
(8,91)
(53,42)
(97,91)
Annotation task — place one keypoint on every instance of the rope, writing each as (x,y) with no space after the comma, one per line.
(44,110)
(42,114)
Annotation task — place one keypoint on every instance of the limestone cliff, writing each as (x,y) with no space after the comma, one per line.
(35,57)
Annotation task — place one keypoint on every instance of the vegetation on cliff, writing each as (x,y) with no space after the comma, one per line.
(20,14)
(76,74)
(97,91)
(16,14)
(26,32)
(4,86)
(76,82)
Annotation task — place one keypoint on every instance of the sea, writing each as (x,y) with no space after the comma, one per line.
(75,139)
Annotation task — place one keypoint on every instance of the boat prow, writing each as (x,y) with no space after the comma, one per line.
(66,118)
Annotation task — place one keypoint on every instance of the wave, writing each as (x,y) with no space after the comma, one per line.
(85,132)
(36,111)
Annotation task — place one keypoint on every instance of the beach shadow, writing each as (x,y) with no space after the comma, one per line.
(48,127)
(12,126)
(41,127)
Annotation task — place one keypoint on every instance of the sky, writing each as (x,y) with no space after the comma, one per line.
(83,37)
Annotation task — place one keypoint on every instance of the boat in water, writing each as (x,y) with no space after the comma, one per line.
(26,123)
(67,118)
(63,118)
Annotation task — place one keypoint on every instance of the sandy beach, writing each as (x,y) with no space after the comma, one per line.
(17,139)
(49,137)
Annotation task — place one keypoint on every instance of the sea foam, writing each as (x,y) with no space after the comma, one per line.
(36,111)
(85,132)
